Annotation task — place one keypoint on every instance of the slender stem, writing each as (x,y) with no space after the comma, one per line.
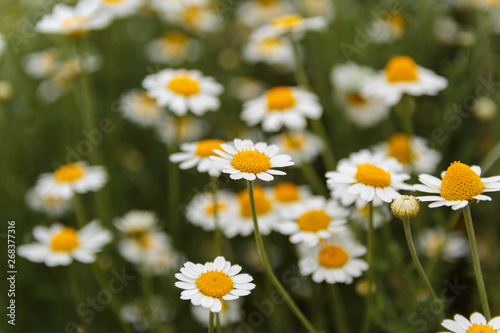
(217,232)
(340,318)
(477,265)
(79,209)
(313,178)
(491,158)
(272,277)
(416,261)
(147,291)
(77,296)
(173,193)
(217,323)
(211,322)
(405,110)
(369,295)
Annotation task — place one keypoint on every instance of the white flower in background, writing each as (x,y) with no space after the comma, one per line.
(208,284)
(413,153)
(347,81)
(446,30)
(244,159)
(336,260)
(136,222)
(120,8)
(201,210)
(272,50)
(141,109)
(285,194)
(180,129)
(366,177)
(42,64)
(230,313)
(59,245)
(476,324)
(311,220)
(173,48)
(195,15)
(387,28)
(484,108)
(323,8)
(136,313)
(198,154)
(74,21)
(72,178)
(402,75)
(50,205)
(294,24)
(184,90)
(359,216)
(254,13)
(282,106)
(245,88)
(6,91)
(301,146)
(431,240)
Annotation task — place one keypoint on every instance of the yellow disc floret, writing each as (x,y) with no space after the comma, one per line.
(184,85)
(286,192)
(481,328)
(401,69)
(355,99)
(69,172)
(210,209)
(400,148)
(332,256)
(214,284)
(280,98)
(251,161)
(205,148)
(65,240)
(372,175)
(262,203)
(460,182)
(287,21)
(313,220)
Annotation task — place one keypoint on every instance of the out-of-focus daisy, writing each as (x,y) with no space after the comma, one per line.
(59,245)
(459,186)
(244,159)
(484,108)
(323,8)
(432,240)
(272,50)
(282,106)
(311,220)
(402,75)
(294,24)
(366,177)
(245,88)
(182,90)
(347,80)
(198,154)
(446,30)
(360,215)
(254,13)
(388,27)
(52,206)
(413,153)
(200,211)
(301,146)
(141,109)
(173,48)
(195,15)
(334,261)
(180,129)
(231,313)
(120,8)
(207,284)
(285,194)
(71,178)
(74,21)
(476,324)
(137,222)
(135,313)
(41,64)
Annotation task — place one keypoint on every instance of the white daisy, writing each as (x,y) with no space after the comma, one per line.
(244,159)
(173,48)
(285,194)
(476,324)
(72,178)
(141,109)
(366,177)
(323,8)
(199,18)
(387,28)
(311,220)
(41,64)
(180,129)
(254,13)
(121,8)
(282,106)
(52,206)
(347,80)
(207,284)
(182,90)
(333,261)
(198,154)
(200,211)
(293,24)
(272,50)
(136,222)
(301,146)
(59,245)
(246,87)
(431,240)
(402,75)
(74,21)
(231,313)
(459,186)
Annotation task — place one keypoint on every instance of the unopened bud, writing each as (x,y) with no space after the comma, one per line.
(405,207)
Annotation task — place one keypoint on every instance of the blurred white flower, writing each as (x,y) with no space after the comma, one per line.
(301,146)
(121,8)
(254,13)
(48,204)
(432,240)
(387,28)
(272,50)
(173,48)
(141,109)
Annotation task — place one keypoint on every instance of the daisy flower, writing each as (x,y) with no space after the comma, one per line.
(402,75)
(476,324)
(59,245)
(244,159)
(460,185)
(334,261)
(313,219)
(301,146)
(42,64)
(272,50)
(431,240)
(231,313)
(182,90)
(199,17)
(323,8)
(120,8)
(72,178)
(254,13)
(180,129)
(293,24)
(52,206)
(285,194)
(139,108)
(366,177)
(207,284)
(136,222)
(282,106)
(173,48)
(200,211)
(347,80)
(388,27)
(74,21)
(198,154)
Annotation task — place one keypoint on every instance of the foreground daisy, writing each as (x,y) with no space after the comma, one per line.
(231,313)
(476,324)
(198,154)
(141,109)
(71,178)
(184,90)
(459,186)
(282,106)
(401,76)
(244,159)
(59,245)
(207,284)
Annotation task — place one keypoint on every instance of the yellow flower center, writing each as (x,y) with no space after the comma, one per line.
(262,203)
(214,284)
(175,37)
(395,21)
(210,209)
(355,99)
(266,2)
(460,182)
(286,192)
(145,240)
(313,220)
(280,98)
(287,21)
(74,20)
(480,328)
(268,45)
(297,141)
(251,161)
(184,85)
(332,256)
(205,148)
(400,148)
(69,172)
(401,69)
(192,15)
(65,241)
(372,175)
(146,105)
(113,1)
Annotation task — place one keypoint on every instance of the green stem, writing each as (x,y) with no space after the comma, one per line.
(369,295)
(173,193)
(477,265)
(147,291)
(340,318)
(211,322)
(272,277)
(405,110)
(217,231)
(313,178)
(77,296)
(490,159)
(81,217)
(416,261)
(217,323)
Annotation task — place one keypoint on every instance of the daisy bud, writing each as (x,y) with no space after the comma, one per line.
(405,207)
